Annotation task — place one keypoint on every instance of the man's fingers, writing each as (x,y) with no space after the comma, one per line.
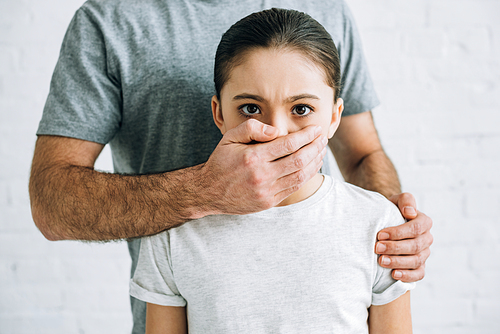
(290,183)
(307,159)
(291,143)
(409,276)
(406,268)
(402,247)
(249,131)
(405,262)
(412,229)
(412,238)
(406,204)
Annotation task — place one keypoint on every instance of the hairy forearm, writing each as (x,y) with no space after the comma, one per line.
(360,155)
(374,172)
(75,202)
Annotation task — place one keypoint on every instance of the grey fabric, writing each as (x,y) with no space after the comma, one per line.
(304,268)
(138,75)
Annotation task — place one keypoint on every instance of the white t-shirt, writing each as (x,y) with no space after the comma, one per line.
(309,267)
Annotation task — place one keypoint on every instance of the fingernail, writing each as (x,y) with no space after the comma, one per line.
(381,248)
(398,274)
(383,236)
(324,140)
(269,130)
(386,261)
(409,210)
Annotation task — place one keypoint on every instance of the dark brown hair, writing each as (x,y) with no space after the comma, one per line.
(279,29)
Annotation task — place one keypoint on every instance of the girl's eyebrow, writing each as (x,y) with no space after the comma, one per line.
(246,96)
(300,97)
(291,99)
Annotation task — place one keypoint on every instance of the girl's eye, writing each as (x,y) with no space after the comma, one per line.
(250,109)
(301,110)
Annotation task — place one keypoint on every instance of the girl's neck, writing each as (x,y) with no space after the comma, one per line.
(306,191)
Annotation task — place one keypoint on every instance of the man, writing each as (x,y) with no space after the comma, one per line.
(138,75)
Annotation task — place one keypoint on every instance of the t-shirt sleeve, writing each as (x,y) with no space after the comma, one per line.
(84,100)
(385,289)
(153,280)
(357,89)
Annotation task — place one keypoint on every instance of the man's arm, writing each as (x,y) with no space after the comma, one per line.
(363,162)
(71,200)
(394,317)
(360,156)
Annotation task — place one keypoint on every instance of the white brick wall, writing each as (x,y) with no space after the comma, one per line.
(436,65)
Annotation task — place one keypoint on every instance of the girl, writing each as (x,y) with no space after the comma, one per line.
(305,266)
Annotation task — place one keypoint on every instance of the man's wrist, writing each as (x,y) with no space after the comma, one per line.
(195,199)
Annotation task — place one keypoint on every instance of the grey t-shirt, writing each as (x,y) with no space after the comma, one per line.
(139,76)
(304,268)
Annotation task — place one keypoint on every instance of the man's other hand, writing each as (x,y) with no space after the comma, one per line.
(405,248)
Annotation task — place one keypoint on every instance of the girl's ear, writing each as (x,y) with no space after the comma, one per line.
(217,114)
(338,107)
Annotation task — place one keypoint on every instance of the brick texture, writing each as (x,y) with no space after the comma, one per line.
(436,66)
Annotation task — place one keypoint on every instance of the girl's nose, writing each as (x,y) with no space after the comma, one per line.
(279,122)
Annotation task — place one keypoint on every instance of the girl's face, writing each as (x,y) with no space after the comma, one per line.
(280,88)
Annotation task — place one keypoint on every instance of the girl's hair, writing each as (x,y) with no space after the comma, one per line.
(278,29)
